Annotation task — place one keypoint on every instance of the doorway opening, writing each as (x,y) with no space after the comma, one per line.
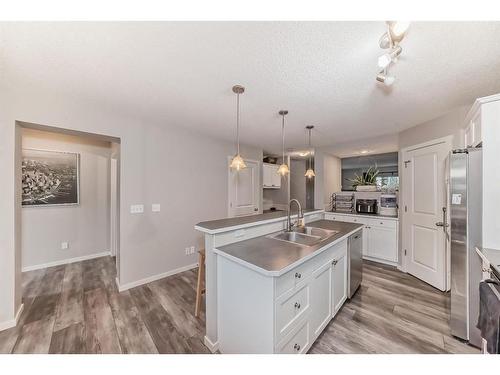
(69,187)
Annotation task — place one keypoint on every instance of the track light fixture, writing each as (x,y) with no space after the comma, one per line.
(396,31)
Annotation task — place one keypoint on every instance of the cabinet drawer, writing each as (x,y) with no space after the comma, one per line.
(391,224)
(293,278)
(290,308)
(297,341)
(356,219)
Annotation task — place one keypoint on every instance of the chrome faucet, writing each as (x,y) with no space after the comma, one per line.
(300,216)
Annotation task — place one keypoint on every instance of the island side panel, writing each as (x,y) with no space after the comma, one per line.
(245,308)
(210,294)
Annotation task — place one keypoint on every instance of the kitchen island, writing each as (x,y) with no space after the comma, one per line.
(266,295)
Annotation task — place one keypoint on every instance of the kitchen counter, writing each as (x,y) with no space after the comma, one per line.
(373,216)
(492,256)
(232,223)
(274,257)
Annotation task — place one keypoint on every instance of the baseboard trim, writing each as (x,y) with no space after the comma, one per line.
(213,347)
(150,279)
(378,260)
(13,322)
(66,261)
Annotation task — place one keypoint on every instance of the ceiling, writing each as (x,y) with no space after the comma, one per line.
(181,73)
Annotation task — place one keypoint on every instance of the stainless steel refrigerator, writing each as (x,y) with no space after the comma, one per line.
(466,234)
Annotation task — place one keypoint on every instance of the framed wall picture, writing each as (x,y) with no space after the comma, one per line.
(50,178)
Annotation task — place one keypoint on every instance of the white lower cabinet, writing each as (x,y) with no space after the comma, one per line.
(321,297)
(382,243)
(339,281)
(380,236)
(282,314)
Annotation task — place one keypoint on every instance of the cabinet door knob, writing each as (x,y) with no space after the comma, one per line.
(297,305)
(298,275)
(335,261)
(296,347)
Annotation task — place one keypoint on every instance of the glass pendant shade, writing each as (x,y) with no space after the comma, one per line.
(238,163)
(310,173)
(283,169)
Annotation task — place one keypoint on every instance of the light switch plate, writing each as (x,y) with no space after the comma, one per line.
(64,245)
(137,209)
(155,207)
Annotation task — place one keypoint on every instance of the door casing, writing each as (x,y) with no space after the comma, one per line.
(404,230)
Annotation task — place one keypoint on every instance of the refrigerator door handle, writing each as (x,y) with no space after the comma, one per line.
(443,223)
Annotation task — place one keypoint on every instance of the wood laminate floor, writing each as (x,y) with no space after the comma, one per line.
(76,308)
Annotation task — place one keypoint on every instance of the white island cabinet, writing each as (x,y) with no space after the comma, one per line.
(283,313)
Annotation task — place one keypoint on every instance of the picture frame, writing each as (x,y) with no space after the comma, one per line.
(50,178)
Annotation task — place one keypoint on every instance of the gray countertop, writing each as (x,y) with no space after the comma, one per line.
(274,257)
(493,257)
(231,222)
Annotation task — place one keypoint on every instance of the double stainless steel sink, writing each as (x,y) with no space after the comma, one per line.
(306,236)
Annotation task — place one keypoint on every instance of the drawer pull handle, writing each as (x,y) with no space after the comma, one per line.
(297,305)
(297,275)
(335,262)
(381,223)
(296,347)
(356,237)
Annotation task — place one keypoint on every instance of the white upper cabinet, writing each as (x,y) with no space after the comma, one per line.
(271,178)
(473,131)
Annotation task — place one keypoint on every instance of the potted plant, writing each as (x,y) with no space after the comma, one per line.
(367,181)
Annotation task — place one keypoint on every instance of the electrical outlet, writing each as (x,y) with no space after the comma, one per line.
(186,250)
(192,250)
(64,245)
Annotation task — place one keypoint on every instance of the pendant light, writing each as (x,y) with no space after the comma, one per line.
(310,172)
(283,169)
(238,163)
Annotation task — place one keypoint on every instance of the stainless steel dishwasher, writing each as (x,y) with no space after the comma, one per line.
(355,265)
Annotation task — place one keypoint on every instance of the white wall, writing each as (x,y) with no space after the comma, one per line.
(332,170)
(186,172)
(451,123)
(86,227)
(298,181)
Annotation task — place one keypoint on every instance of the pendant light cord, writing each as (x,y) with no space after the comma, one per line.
(309,149)
(238,123)
(283,137)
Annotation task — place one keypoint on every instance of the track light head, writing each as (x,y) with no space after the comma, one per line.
(386,79)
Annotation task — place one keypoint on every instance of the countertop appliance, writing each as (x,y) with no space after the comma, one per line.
(366,206)
(355,262)
(388,205)
(466,234)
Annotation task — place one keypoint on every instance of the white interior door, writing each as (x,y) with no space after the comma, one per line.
(424,197)
(244,190)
